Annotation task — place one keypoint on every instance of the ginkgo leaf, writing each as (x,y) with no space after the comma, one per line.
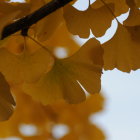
(85,66)
(98,20)
(40,117)
(122,51)
(53,85)
(25,67)
(120,6)
(6,100)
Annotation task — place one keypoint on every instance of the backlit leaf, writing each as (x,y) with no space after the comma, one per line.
(62,81)
(25,67)
(122,51)
(98,20)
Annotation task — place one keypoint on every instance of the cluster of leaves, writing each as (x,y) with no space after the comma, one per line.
(45,118)
(31,63)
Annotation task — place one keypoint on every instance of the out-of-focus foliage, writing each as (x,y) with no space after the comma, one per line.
(44,119)
(33,65)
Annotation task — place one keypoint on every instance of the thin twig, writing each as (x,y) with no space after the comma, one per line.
(41,45)
(27,21)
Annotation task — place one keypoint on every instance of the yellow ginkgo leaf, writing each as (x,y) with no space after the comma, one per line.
(122,51)
(41,117)
(98,20)
(54,84)
(6,100)
(64,79)
(25,67)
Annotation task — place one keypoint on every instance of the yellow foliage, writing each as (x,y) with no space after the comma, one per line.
(25,66)
(45,118)
(38,77)
(120,5)
(62,81)
(98,20)
(122,54)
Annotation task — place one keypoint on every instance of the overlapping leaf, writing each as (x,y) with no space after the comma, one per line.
(42,117)
(122,51)
(25,67)
(120,5)
(98,20)
(62,38)
(63,80)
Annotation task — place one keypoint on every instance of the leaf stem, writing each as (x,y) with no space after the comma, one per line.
(46,49)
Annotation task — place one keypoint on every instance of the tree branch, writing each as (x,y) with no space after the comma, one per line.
(24,23)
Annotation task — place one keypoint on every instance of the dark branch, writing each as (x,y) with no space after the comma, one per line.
(24,23)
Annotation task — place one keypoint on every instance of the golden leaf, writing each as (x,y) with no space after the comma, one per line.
(98,20)
(120,6)
(85,66)
(122,51)
(65,40)
(25,67)
(44,118)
